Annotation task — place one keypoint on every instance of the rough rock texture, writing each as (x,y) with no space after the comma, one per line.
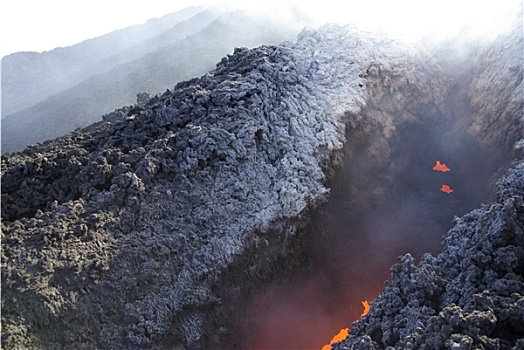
(470,296)
(141,230)
(64,89)
(128,225)
(495,94)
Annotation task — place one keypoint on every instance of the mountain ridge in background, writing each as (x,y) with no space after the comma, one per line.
(63,67)
(78,84)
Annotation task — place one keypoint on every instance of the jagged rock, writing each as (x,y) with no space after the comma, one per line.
(140,215)
(140,231)
(469,296)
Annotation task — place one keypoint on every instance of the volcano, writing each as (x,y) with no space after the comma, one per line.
(257,205)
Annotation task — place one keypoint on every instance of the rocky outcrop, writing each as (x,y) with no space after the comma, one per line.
(471,294)
(141,231)
(468,296)
(495,94)
(129,225)
(72,87)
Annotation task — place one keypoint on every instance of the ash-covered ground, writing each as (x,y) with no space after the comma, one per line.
(146,229)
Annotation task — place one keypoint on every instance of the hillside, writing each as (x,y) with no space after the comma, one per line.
(164,224)
(48,73)
(67,88)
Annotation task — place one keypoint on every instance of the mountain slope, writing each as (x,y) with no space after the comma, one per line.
(99,94)
(145,230)
(30,77)
(159,207)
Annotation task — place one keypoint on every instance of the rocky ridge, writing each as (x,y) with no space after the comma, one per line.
(469,296)
(137,231)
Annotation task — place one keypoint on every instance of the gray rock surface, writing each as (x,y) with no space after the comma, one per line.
(470,296)
(129,224)
(141,230)
(67,88)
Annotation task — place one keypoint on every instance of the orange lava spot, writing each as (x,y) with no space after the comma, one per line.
(339,337)
(366,308)
(344,332)
(446,188)
(441,167)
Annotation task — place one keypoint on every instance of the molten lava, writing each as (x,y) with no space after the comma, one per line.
(339,337)
(366,308)
(446,189)
(441,167)
(344,332)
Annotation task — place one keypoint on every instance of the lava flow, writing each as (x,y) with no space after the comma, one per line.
(344,332)
(446,189)
(365,304)
(441,167)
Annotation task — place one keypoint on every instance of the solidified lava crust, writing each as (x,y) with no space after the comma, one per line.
(141,231)
(468,296)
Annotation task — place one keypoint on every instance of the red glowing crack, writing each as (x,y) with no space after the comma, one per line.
(441,167)
(446,189)
(344,332)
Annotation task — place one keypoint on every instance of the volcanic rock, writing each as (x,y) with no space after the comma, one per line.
(468,296)
(140,231)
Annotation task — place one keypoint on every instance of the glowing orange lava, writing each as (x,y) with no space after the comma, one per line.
(344,332)
(366,308)
(339,337)
(441,167)
(446,188)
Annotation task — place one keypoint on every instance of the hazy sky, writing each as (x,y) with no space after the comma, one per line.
(41,25)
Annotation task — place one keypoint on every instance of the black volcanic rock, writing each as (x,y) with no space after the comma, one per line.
(131,227)
(468,296)
(144,229)
(68,88)
(127,225)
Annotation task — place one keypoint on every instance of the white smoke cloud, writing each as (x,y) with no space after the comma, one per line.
(34,25)
(417,19)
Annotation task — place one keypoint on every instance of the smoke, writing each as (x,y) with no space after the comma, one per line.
(276,311)
(435,20)
(408,18)
(380,207)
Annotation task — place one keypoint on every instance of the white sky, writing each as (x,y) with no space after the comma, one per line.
(41,25)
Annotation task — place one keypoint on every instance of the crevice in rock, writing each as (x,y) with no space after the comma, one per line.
(215,232)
